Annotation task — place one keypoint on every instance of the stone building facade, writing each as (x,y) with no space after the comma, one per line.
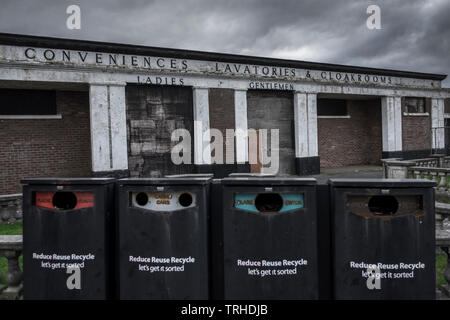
(104,109)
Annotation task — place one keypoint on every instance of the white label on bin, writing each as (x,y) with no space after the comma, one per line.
(406,271)
(272,268)
(164,201)
(161,264)
(73,264)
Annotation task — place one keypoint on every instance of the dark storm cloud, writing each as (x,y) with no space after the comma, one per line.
(415,34)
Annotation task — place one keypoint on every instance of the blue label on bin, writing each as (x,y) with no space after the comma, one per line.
(292,201)
(246,201)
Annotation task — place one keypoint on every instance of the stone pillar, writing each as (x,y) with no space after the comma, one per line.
(396,169)
(202,149)
(241,125)
(108,129)
(391,118)
(11,248)
(437,126)
(306,138)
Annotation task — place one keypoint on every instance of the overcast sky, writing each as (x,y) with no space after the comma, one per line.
(415,34)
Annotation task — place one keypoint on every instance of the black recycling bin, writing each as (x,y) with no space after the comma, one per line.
(163,238)
(68,242)
(269,238)
(383,239)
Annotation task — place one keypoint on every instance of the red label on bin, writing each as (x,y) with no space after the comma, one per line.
(44,200)
(83,200)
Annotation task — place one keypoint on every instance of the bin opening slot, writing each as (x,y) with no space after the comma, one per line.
(268,202)
(185,199)
(162,201)
(64,200)
(142,198)
(370,206)
(383,205)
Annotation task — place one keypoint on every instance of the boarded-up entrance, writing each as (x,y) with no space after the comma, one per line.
(274,110)
(153,113)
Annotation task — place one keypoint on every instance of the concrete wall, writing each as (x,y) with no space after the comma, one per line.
(153,112)
(352,141)
(275,110)
(47,148)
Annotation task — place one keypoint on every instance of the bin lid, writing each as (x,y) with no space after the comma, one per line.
(258,180)
(190,175)
(381,183)
(249,174)
(72,181)
(165,181)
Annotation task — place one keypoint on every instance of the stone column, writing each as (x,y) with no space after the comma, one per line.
(306,138)
(391,118)
(241,125)
(202,149)
(437,126)
(108,129)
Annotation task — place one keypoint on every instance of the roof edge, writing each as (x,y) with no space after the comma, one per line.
(97,46)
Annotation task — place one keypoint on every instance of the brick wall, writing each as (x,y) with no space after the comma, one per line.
(353,141)
(221,116)
(153,112)
(416,130)
(47,148)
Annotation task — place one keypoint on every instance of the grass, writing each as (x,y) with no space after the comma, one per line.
(8,229)
(16,228)
(441,262)
(11,228)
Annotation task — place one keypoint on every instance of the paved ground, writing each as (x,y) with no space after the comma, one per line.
(367,172)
